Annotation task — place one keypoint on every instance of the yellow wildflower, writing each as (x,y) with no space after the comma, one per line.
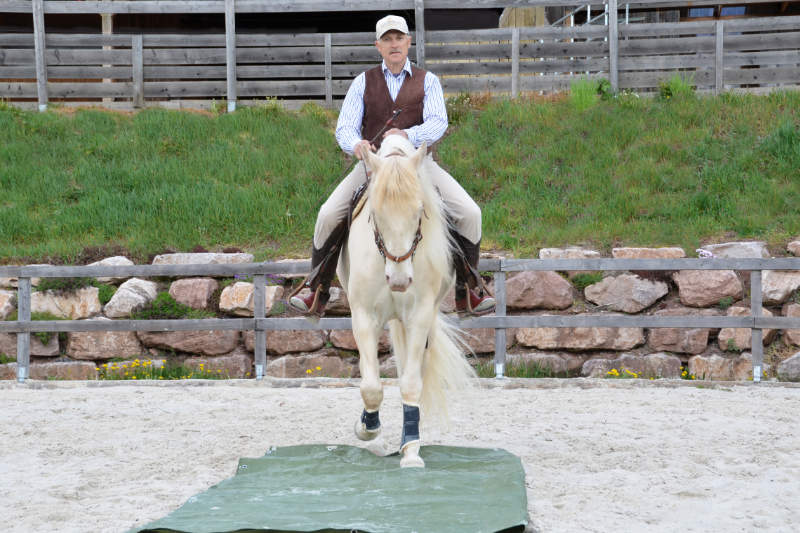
(308,371)
(319,368)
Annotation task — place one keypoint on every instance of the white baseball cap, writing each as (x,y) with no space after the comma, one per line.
(390,22)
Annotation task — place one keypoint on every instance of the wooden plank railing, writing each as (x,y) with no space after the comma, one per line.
(319,67)
(500,321)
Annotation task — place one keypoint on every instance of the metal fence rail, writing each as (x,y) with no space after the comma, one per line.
(500,321)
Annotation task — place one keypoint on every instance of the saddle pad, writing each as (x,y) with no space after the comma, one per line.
(344,488)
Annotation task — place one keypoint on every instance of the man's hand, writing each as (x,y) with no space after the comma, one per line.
(395,131)
(360,146)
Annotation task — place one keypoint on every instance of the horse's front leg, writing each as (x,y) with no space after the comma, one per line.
(366,331)
(411,389)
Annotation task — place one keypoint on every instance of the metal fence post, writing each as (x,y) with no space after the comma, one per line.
(39,51)
(613,46)
(23,339)
(719,58)
(259,311)
(230,52)
(419,31)
(500,333)
(137,66)
(756,344)
(328,71)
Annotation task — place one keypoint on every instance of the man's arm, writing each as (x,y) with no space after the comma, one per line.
(348,127)
(434,114)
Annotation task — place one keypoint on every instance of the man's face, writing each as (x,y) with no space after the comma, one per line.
(393,47)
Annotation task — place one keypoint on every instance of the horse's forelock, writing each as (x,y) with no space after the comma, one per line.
(396,183)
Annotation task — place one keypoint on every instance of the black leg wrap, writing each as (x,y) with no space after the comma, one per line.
(370,420)
(410,424)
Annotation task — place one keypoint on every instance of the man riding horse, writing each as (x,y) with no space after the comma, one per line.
(395,98)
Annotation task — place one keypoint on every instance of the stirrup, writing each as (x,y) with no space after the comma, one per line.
(317,307)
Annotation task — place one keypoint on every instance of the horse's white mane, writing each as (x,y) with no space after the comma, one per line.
(399,185)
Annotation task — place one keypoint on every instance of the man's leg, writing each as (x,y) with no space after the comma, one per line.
(466,218)
(329,233)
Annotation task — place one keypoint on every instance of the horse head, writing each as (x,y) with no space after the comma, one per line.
(397,207)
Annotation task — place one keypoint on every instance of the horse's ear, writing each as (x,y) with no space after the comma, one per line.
(372,160)
(419,155)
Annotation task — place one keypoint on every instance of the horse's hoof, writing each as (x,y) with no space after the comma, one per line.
(412,461)
(410,456)
(366,434)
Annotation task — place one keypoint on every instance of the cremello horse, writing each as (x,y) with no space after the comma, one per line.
(396,269)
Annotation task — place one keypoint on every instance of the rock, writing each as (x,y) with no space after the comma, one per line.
(299,366)
(236,365)
(118,260)
(682,340)
(338,304)
(538,289)
(388,368)
(716,368)
(791,336)
(648,253)
(283,342)
(92,345)
(794,248)
(73,305)
(198,342)
(194,292)
(789,370)
(738,339)
(571,252)
(481,340)
(657,365)
(8,301)
(237,299)
(8,345)
(628,293)
(343,338)
(8,371)
(202,259)
(581,338)
(55,370)
(755,249)
(778,285)
(543,362)
(703,288)
(131,296)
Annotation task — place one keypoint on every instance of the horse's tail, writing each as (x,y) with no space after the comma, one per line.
(444,367)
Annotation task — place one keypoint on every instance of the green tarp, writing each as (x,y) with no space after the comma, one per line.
(318,488)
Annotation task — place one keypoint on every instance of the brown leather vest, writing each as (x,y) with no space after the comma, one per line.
(378,105)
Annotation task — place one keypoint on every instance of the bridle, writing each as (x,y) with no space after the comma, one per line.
(379,239)
(397,259)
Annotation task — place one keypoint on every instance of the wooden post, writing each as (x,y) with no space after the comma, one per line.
(514,62)
(499,333)
(107,23)
(23,339)
(39,48)
(328,71)
(230,49)
(613,46)
(137,65)
(756,339)
(718,58)
(259,311)
(419,24)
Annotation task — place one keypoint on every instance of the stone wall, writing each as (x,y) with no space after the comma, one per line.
(707,353)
